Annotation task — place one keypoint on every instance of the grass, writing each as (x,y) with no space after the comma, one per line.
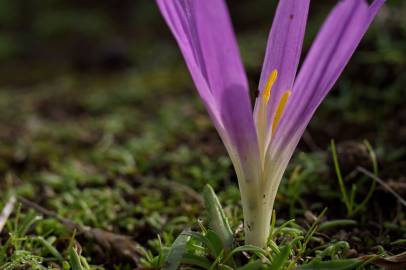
(110,164)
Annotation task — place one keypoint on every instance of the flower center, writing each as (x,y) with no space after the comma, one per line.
(280,109)
(266,94)
(264,130)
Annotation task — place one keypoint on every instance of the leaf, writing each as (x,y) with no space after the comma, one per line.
(205,241)
(74,259)
(224,267)
(175,254)
(281,258)
(344,264)
(27,222)
(217,219)
(50,248)
(336,223)
(196,260)
(246,248)
(254,265)
(216,243)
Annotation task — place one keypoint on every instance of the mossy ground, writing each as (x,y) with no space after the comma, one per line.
(130,151)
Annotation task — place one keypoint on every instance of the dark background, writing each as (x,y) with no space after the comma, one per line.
(44,39)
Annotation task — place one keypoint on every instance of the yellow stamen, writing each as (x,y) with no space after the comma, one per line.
(267,91)
(279,109)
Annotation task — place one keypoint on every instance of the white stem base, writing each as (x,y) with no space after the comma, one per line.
(257,208)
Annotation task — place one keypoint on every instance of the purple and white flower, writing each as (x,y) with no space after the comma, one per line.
(261,141)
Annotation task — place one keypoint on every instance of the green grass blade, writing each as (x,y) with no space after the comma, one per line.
(74,259)
(254,265)
(340,178)
(51,249)
(216,243)
(280,259)
(178,249)
(246,248)
(205,241)
(217,219)
(336,223)
(196,260)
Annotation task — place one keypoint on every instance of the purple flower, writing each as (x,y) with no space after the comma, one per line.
(260,142)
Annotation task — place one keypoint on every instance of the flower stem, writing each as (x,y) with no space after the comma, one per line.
(257,208)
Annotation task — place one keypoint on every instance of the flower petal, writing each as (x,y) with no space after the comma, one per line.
(176,16)
(331,51)
(283,50)
(205,36)
(285,43)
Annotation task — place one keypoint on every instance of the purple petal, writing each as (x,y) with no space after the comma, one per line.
(179,23)
(240,125)
(285,43)
(205,36)
(331,51)
(284,48)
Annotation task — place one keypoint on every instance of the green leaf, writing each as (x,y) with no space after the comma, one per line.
(336,223)
(281,258)
(246,248)
(27,222)
(205,241)
(74,259)
(50,248)
(224,267)
(217,219)
(175,254)
(196,260)
(343,189)
(344,264)
(254,265)
(216,243)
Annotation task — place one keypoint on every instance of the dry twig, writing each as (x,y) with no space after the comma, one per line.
(120,244)
(7,210)
(383,184)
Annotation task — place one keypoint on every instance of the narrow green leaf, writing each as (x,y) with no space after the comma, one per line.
(217,219)
(224,267)
(74,259)
(336,223)
(216,243)
(196,260)
(280,259)
(254,265)
(273,246)
(205,241)
(27,222)
(340,178)
(344,264)
(399,242)
(373,183)
(246,248)
(51,249)
(175,254)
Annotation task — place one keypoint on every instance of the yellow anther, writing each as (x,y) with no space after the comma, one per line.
(268,87)
(279,109)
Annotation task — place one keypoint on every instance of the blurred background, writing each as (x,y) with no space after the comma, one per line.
(95,102)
